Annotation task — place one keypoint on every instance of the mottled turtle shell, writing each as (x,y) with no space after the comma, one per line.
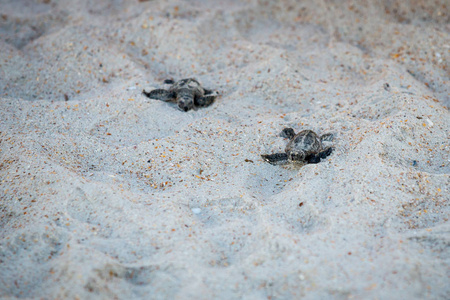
(188,85)
(307,141)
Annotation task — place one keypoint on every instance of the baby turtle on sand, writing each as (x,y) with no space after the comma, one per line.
(188,93)
(303,147)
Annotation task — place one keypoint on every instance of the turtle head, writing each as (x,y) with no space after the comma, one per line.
(185,103)
(296,156)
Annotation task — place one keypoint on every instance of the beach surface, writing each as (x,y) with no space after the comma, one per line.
(107,194)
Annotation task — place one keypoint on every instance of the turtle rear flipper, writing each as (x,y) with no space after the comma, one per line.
(327,137)
(287,133)
(276,159)
(160,94)
(208,92)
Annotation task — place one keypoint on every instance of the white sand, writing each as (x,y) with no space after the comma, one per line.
(112,195)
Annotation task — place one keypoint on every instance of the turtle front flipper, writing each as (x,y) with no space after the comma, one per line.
(313,158)
(276,159)
(325,153)
(206,100)
(160,94)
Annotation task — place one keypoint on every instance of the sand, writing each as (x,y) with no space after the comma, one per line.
(108,194)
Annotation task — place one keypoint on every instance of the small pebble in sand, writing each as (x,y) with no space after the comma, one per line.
(196,210)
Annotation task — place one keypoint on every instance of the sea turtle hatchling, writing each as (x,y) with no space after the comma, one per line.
(188,93)
(303,147)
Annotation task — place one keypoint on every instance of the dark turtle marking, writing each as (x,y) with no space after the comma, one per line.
(188,93)
(303,147)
